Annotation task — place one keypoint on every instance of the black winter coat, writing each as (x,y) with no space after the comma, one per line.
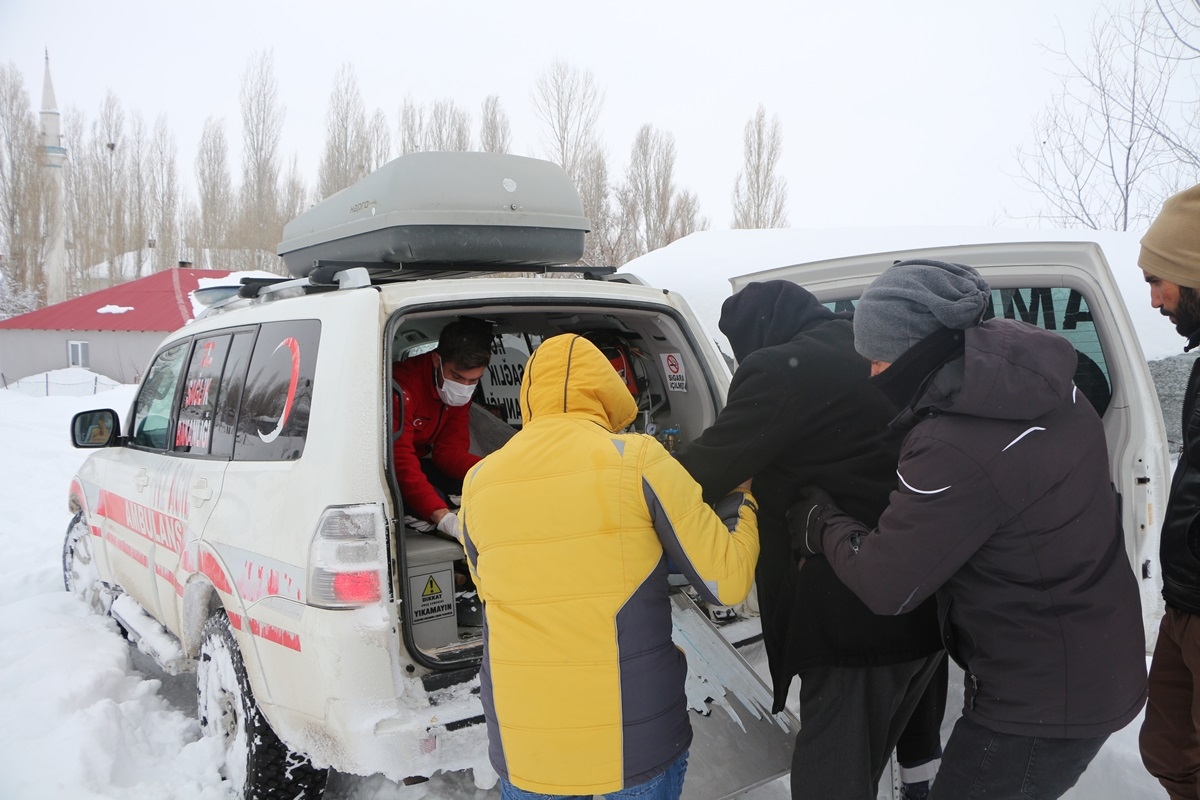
(801,410)
(1179,545)
(1006,510)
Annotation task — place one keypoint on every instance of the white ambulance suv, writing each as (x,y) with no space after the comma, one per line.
(243,518)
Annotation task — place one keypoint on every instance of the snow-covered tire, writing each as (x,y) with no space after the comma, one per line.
(81,576)
(257,764)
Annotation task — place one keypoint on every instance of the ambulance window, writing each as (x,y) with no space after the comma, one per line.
(198,400)
(272,419)
(229,398)
(1064,311)
(151,424)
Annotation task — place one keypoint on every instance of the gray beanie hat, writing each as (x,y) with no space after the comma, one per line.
(914,299)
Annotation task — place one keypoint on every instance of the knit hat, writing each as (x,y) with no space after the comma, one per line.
(914,299)
(1171,248)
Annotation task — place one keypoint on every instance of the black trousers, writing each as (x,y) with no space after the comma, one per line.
(920,745)
(981,763)
(850,720)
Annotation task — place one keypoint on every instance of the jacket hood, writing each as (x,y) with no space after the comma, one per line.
(1009,370)
(768,314)
(567,374)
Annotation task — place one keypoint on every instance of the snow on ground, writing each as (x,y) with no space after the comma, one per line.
(72,381)
(86,716)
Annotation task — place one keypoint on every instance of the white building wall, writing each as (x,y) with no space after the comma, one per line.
(120,355)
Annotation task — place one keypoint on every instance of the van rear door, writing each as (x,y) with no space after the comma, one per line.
(1066,287)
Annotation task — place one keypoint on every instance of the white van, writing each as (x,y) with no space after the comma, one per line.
(244,519)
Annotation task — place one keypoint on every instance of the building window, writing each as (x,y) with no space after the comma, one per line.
(78,354)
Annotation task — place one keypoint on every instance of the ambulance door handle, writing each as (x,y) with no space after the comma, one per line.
(200,491)
(142,480)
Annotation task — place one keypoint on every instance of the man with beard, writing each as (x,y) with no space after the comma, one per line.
(801,410)
(1170,737)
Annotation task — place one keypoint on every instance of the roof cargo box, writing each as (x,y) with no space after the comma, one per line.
(462,209)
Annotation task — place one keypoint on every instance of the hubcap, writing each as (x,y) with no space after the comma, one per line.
(83,577)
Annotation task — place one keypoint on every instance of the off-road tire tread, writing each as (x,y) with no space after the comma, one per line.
(268,774)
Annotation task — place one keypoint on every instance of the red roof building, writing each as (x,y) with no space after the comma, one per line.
(112,331)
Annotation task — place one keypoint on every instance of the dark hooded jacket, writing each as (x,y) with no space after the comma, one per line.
(801,410)
(1179,545)
(1006,510)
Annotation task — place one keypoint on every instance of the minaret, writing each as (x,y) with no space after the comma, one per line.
(54,156)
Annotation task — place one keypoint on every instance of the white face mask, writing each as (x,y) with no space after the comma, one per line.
(454,394)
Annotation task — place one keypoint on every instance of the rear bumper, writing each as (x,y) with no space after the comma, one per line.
(341,689)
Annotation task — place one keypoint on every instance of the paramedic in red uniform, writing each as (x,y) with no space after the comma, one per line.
(431,452)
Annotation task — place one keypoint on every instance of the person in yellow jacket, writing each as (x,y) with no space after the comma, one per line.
(567,529)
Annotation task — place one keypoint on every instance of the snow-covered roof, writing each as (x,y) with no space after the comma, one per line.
(160,302)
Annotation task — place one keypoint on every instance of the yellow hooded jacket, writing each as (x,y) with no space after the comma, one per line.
(567,530)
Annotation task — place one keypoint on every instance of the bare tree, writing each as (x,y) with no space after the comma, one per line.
(412,127)
(110,148)
(664,214)
(379,141)
(568,103)
(164,184)
(294,198)
(444,127)
(262,120)
(449,127)
(760,192)
(1103,146)
(1183,20)
(494,134)
(139,205)
(214,186)
(346,149)
(190,248)
(686,218)
(650,178)
(84,189)
(23,196)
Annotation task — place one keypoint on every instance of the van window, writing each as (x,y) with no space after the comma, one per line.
(201,383)
(1064,311)
(151,424)
(272,419)
(229,397)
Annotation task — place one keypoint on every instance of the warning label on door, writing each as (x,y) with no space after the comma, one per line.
(674,372)
(430,600)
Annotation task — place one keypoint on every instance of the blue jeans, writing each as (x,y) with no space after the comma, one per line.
(981,763)
(667,786)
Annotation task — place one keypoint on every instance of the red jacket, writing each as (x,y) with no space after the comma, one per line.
(430,428)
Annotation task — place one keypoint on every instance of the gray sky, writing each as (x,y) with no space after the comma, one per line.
(894,113)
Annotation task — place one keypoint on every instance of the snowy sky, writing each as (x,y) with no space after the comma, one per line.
(893,113)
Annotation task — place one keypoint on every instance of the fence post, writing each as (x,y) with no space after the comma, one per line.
(47,384)
(95,381)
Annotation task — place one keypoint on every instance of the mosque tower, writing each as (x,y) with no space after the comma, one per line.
(54,157)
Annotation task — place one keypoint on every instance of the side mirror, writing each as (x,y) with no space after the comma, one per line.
(99,428)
